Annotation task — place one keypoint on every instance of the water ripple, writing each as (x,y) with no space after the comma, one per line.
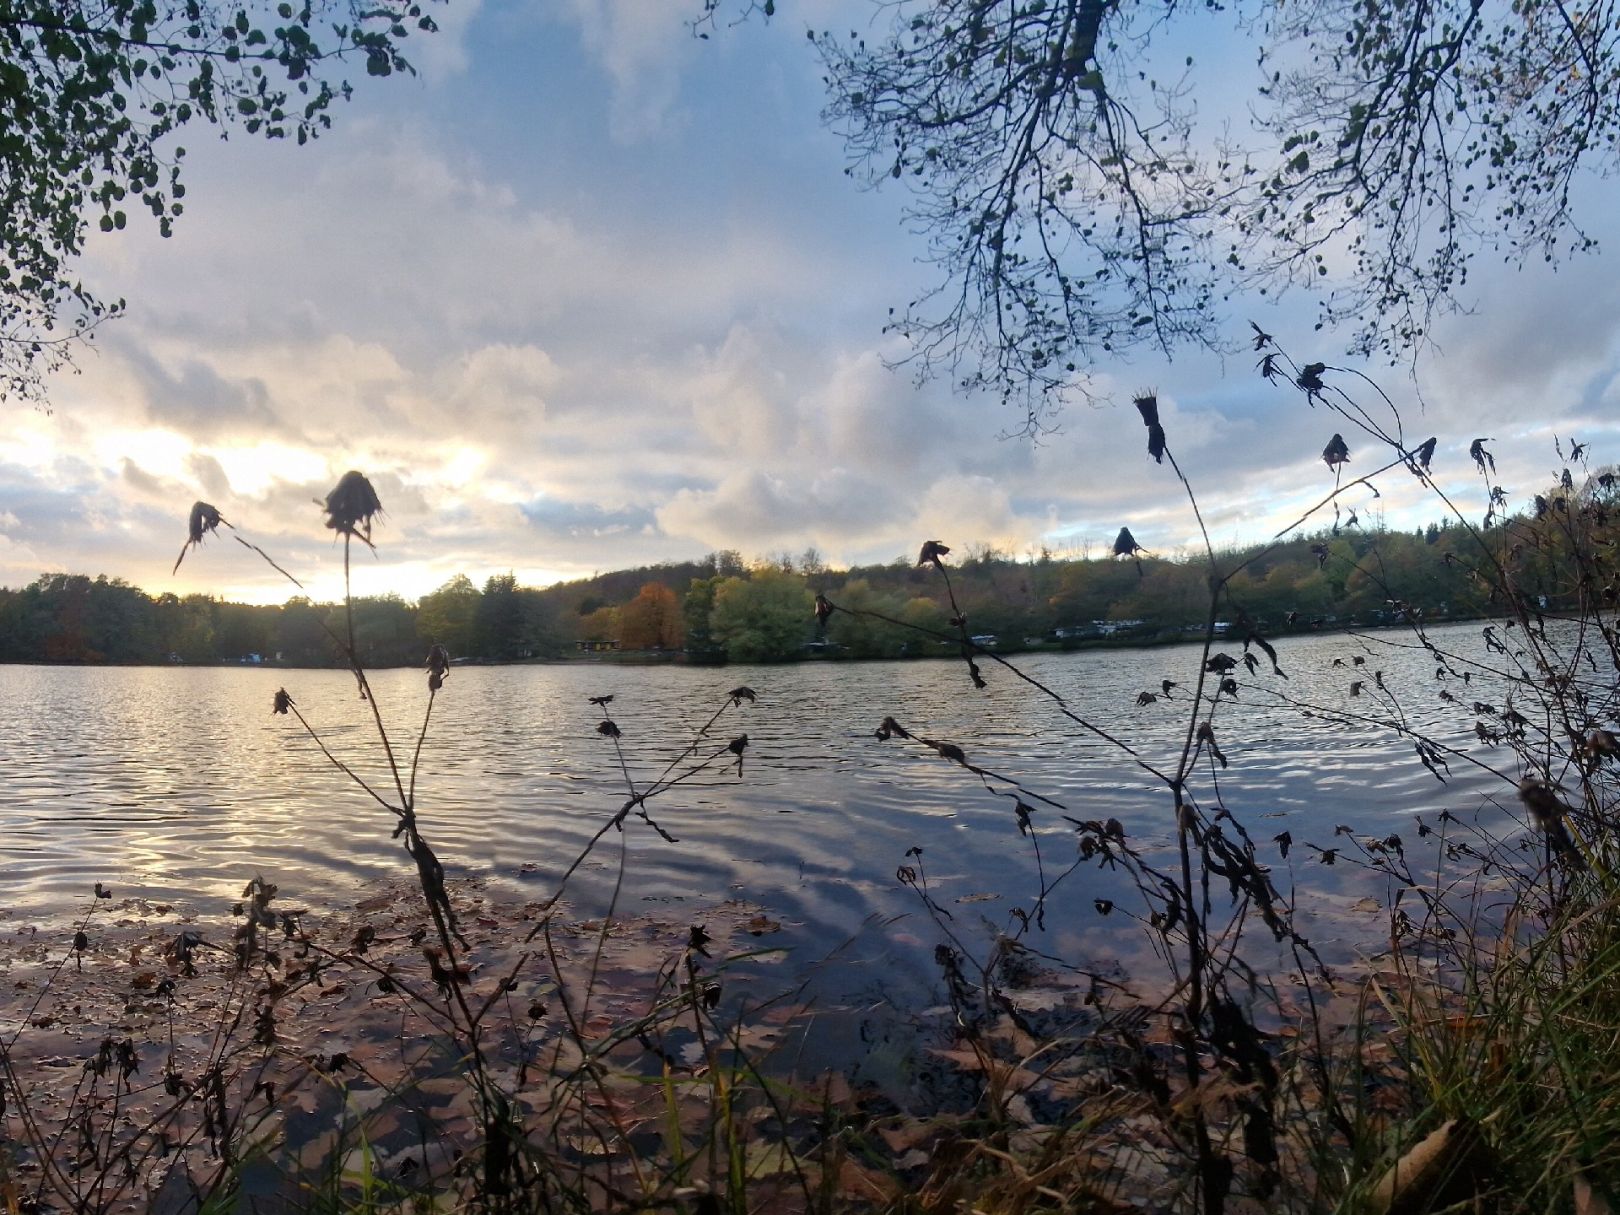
(179,783)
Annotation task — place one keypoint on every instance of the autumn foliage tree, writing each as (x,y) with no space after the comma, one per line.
(652,620)
(765,617)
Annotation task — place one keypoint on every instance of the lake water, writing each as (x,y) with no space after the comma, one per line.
(177,784)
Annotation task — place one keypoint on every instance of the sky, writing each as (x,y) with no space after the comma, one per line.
(589,292)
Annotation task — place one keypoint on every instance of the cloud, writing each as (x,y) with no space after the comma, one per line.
(642,46)
(741,397)
(194,398)
(142,481)
(207,472)
(554,519)
(443,55)
(556,354)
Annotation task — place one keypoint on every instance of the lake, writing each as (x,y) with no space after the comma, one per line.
(177,784)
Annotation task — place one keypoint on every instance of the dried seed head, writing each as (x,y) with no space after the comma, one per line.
(888,729)
(931,552)
(283,702)
(351,506)
(204,519)
(438,666)
(1148,406)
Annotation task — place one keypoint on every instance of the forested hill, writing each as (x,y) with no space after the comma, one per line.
(721,607)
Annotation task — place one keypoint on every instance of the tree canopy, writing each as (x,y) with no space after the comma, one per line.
(90,96)
(1075,208)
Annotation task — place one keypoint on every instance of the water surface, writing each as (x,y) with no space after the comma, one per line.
(177,784)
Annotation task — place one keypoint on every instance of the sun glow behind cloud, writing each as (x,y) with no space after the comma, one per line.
(254,469)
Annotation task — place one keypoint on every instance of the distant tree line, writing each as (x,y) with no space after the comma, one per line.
(723,608)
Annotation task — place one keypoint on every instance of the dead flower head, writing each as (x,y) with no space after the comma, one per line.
(438,665)
(1425,452)
(351,506)
(204,519)
(1148,406)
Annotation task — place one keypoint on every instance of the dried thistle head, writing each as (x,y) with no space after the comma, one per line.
(351,506)
(204,518)
(890,729)
(438,666)
(1148,406)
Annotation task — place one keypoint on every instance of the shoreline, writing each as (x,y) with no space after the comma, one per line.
(946,651)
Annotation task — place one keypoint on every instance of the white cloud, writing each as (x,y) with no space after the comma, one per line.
(642,46)
(557,356)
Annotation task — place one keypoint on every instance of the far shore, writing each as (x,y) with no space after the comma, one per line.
(933,650)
